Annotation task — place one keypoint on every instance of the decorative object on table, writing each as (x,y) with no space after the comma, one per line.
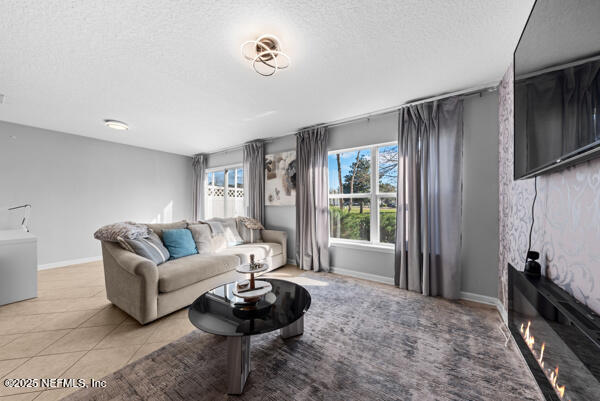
(255,310)
(257,288)
(242,285)
(280,179)
(252,225)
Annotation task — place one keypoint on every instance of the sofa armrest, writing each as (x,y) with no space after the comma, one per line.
(131,262)
(278,237)
(131,282)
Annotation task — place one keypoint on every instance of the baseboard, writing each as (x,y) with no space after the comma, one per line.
(482,299)
(503,312)
(365,276)
(64,263)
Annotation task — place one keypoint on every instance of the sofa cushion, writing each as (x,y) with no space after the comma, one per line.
(179,242)
(150,247)
(180,273)
(260,250)
(202,236)
(158,228)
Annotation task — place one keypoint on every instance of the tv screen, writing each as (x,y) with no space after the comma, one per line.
(557,87)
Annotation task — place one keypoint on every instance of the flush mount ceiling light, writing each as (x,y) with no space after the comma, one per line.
(265,55)
(114,124)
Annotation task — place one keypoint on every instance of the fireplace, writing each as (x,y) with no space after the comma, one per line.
(558,337)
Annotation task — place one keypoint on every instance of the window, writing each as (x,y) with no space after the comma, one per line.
(362,194)
(224,192)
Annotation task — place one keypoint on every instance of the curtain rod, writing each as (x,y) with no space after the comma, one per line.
(558,67)
(462,93)
(336,123)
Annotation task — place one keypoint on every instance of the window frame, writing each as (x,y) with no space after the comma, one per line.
(226,188)
(374,196)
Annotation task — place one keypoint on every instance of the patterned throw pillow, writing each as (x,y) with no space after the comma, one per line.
(150,247)
(126,230)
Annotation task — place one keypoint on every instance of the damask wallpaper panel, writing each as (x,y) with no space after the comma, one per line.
(567,217)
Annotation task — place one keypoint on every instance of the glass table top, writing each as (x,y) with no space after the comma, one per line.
(219,312)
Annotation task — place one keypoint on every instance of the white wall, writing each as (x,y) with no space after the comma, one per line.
(77,184)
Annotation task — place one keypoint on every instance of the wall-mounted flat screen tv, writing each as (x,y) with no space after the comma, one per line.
(557,87)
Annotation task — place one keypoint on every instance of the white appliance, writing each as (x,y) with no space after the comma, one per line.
(18,266)
(18,258)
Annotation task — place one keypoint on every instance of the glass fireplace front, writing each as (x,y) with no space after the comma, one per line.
(558,337)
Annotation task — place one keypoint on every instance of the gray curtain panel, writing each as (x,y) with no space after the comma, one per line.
(254,180)
(199,166)
(312,235)
(429,207)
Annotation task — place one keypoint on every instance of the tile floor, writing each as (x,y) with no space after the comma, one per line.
(72,330)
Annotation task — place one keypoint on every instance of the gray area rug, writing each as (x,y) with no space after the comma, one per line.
(361,341)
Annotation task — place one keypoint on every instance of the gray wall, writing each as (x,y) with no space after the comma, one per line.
(480,195)
(77,184)
(283,217)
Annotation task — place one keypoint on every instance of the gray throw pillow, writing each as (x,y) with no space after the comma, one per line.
(150,247)
(202,236)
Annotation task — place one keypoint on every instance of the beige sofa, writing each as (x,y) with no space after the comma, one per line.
(147,291)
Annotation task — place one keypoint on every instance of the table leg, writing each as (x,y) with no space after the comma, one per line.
(294,329)
(238,363)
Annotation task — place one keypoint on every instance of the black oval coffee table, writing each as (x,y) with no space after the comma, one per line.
(219,312)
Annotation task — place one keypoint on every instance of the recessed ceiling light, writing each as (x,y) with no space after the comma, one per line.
(114,124)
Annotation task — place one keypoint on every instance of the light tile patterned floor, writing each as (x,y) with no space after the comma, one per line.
(72,331)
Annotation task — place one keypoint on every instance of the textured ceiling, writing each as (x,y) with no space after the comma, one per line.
(172,69)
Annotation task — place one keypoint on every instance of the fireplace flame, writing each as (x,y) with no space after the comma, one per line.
(529,339)
(551,374)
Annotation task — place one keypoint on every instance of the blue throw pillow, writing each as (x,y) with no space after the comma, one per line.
(179,242)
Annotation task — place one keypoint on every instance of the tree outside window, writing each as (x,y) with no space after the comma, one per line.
(357,213)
